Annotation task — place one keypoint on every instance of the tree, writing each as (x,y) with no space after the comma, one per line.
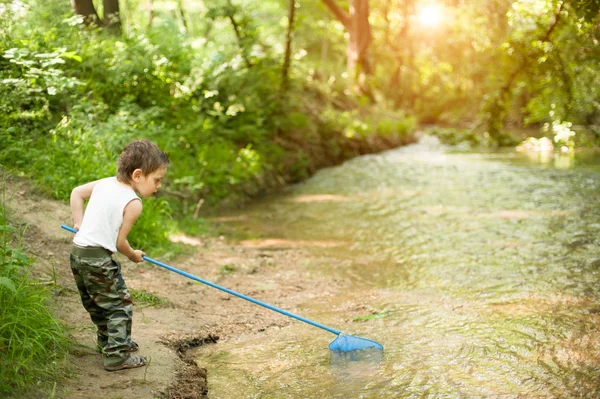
(288,44)
(356,23)
(588,9)
(111,20)
(86,9)
(397,39)
(526,55)
(112,16)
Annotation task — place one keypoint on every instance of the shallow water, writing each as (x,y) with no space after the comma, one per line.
(478,272)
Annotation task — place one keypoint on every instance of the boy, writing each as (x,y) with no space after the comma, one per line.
(113,208)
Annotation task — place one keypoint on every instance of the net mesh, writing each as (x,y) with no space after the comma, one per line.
(348,343)
(347,348)
(369,356)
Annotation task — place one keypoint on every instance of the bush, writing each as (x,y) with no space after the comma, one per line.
(74,96)
(33,344)
(151,231)
(470,137)
(354,125)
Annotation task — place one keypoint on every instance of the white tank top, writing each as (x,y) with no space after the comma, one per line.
(104,214)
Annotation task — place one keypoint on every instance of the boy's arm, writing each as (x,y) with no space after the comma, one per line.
(78,197)
(132,212)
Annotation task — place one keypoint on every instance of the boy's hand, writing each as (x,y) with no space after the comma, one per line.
(131,213)
(137,256)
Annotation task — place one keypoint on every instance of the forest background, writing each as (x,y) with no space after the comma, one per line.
(248,96)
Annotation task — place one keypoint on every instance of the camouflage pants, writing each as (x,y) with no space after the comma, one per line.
(106,298)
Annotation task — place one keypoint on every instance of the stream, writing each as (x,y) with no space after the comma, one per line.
(479,273)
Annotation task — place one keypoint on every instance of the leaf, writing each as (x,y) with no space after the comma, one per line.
(46,55)
(8,284)
(72,55)
(7,228)
(16,52)
(52,61)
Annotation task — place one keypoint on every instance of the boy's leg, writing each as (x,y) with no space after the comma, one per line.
(95,311)
(99,280)
(109,292)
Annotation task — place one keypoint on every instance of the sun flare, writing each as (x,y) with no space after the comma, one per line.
(430,15)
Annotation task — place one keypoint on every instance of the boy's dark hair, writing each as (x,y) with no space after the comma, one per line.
(140,154)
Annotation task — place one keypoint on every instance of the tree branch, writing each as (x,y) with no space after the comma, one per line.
(340,14)
(556,19)
(238,34)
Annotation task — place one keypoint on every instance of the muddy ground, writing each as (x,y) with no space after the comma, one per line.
(192,314)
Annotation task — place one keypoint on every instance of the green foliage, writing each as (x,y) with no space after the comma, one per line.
(547,73)
(587,9)
(587,136)
(210,94)
(354,125)
(151,231)
(33,344)
(227,269)
(195,226)
(144,298)
(84,145)
(217,79)
(131,85)
(216,109)
(469,137)
(397,127)
(372,316)
(561,136)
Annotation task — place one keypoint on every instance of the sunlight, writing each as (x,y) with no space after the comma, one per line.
(430,15)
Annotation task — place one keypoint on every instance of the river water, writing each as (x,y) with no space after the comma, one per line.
(478,272)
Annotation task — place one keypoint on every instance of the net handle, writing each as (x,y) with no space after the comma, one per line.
(231,292)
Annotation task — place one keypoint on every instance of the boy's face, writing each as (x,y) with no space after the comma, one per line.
(145,186)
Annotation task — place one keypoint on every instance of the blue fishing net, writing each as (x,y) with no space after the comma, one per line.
(347,343)
(350,348)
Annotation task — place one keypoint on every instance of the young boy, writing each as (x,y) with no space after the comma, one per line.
(113,208)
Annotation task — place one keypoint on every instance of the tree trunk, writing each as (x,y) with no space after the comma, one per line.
(288,45)
(360,38)
(112,17)
(86,9)
(357,25)
(339,13)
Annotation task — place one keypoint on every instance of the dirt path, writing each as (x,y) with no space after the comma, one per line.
(193,315)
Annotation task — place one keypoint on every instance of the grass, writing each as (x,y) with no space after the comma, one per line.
(227,269)
(145,298)
(371,317)
(33,344)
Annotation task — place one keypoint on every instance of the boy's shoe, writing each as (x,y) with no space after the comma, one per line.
(134,347)
(132,362)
